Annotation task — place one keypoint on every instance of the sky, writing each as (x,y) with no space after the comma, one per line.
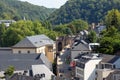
(47,3)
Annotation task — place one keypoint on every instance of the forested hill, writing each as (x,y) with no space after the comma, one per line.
(15,9)
(89,10)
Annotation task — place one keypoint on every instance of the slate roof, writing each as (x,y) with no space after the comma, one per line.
(80,46)
(109,58)
(35,41)
(22,61)
(21,77)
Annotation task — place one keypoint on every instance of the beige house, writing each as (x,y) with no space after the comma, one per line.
(35,44)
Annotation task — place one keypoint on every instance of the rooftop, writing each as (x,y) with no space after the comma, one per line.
(109,58)
(22,61)
(85,57)
(35,41)
(79,45)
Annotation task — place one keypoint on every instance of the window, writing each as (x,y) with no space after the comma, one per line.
(104,79)
(28,51)
(80,71)
(19,52)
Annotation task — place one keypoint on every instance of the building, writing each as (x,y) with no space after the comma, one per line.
(115,75)
(7,22)
(90,66)
(63,41)
(108,68)
(79,47)
(23,63)
(42,69)
(35,44)
(86,66)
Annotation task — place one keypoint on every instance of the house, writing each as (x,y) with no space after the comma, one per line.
(79,47)
(23,63)
(7,22)
(85,68)
(98,28)
(91,66)
(108,68)
(115,75)
(35,44)
(43,70)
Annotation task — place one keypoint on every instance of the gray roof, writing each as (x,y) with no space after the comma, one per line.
(22,61)
(109,58)
(5,50)
(80,46)
(35,41)
(21,77)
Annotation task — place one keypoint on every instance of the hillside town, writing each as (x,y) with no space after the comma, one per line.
(70,57)
(60,40)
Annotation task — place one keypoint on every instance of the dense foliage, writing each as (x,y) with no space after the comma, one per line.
(89,10)
(110,40)
(73,27)
(14,9)
(17,31)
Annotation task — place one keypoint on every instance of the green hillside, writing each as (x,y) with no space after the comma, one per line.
(14,9)
(89,10)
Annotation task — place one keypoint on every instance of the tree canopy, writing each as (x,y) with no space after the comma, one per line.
(17,10)
(73,27)
(110,40)
(88,10)
(19,30)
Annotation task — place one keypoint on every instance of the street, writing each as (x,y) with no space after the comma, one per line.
(64,64)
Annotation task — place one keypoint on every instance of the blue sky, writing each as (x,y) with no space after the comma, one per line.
(47,3)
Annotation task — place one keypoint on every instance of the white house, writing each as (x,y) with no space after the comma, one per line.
(86,66)
(7,22)
(43,71)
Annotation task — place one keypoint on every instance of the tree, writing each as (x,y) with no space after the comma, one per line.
(79,25)
(92,36)
(2,34)
(9,71)
(68,31)
(72,27)
(113,19)
(110,41)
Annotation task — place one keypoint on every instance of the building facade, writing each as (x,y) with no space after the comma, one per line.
(36,44)
(86,66)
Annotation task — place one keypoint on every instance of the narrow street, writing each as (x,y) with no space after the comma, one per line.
(63,64)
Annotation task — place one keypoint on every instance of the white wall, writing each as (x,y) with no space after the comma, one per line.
(103,73)
(90,69)
(77,74)
(24,50)
(40,69)
(32,50)
(41,50)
